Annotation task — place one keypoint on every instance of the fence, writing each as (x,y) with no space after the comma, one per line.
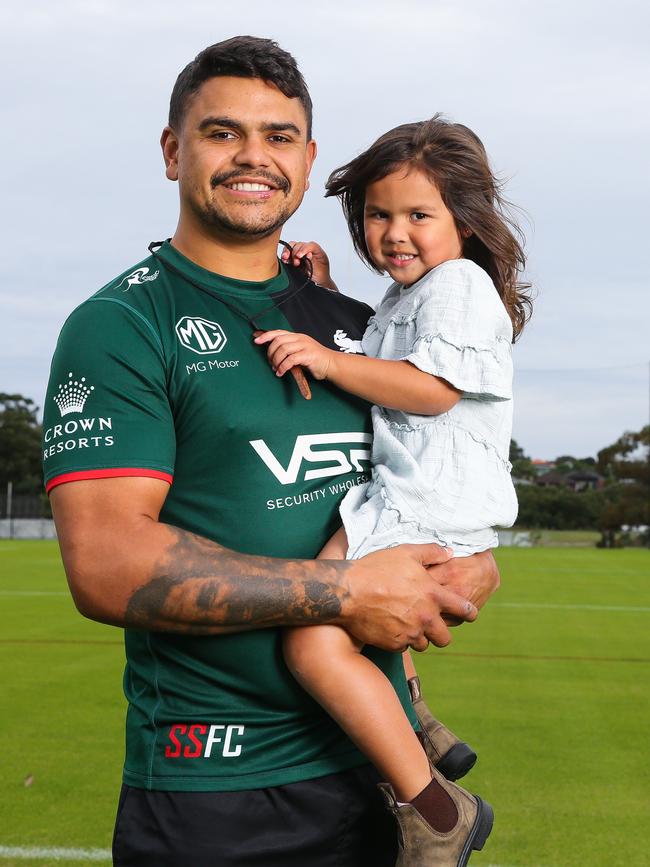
(25,516)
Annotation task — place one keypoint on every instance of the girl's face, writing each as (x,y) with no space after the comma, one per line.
(408,228)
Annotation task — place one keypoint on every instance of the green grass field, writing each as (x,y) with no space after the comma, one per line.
(551,686)
(561,538)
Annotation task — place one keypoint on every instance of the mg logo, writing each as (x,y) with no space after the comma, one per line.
(201,335)
(336,460)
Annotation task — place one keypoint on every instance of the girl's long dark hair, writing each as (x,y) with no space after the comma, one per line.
(455,160)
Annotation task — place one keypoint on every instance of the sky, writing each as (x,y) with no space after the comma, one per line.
(557,91)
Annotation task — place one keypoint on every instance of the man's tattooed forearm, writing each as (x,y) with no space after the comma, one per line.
(200,587)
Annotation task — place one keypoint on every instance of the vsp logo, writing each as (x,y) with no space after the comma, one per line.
(138,278)
(337,461)
(201,335)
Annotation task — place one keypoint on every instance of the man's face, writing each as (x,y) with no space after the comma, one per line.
(241,157)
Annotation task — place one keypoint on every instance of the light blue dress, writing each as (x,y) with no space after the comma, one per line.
(443,478)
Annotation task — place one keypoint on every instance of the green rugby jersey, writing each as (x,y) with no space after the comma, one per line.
(155,376)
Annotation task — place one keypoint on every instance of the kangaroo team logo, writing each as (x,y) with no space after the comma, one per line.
(138,278)
(72,395)
(200,335)
(346,344)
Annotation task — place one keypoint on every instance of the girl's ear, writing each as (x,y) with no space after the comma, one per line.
(466,232)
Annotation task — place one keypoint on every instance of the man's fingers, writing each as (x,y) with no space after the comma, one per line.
(475,578)
(452,621)
(452,605)
(431,554)
(419,644)
(439,634)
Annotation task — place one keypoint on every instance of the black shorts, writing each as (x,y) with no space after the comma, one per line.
(334,821)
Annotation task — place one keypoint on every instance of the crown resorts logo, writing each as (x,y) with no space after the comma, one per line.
(72,395)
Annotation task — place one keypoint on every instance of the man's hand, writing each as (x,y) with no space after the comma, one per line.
(286,349)
(318,258)
(127,568)
(394,603)
(475,578)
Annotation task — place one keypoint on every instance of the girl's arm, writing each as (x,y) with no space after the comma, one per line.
(393,384)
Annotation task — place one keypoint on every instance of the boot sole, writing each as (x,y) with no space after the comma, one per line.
(480,831)
(455,763)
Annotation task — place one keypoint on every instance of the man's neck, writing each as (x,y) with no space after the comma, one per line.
(230,256)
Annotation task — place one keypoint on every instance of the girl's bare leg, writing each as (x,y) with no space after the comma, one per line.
(409,667)
(328,664)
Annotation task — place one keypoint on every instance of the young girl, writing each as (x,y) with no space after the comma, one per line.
(423,205)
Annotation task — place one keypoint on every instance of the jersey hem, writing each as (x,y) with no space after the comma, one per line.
(112,473)
(259,780)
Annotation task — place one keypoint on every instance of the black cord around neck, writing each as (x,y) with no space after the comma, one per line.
(305,265)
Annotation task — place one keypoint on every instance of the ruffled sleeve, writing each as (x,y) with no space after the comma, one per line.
(462,331)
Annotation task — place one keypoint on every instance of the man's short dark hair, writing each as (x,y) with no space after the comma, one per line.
(240,57)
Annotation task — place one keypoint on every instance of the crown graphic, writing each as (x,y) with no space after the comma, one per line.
(72,395)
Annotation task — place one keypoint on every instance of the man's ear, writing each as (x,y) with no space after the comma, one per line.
(310,156)
(169,145)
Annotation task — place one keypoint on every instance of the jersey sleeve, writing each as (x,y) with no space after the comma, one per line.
(107,411)
(463,333)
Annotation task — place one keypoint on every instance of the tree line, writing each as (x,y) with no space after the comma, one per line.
(614,499)
(620,499)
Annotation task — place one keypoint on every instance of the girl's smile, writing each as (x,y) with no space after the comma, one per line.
(408,228)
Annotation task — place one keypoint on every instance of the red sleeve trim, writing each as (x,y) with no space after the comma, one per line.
(112,473)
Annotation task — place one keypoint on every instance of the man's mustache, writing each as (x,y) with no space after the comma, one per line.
(227,177)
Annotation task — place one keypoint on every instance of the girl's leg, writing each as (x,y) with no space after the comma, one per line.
(328,664)
(335,548)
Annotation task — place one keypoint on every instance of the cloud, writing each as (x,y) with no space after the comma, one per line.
(555,90)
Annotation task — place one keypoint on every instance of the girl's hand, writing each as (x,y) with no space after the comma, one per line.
(318,258)
(287,349)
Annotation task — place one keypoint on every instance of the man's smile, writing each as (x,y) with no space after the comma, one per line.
(251,186)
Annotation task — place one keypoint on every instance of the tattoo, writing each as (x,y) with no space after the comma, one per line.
(201,587)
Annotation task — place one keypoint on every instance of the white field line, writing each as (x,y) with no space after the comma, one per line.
(55,853)
(61,854)
(552,605)
(34,593)
(560,606)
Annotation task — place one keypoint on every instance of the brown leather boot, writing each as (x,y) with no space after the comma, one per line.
(451,756)
(420,845)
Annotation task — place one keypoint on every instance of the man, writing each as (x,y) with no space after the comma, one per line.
(181,469)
